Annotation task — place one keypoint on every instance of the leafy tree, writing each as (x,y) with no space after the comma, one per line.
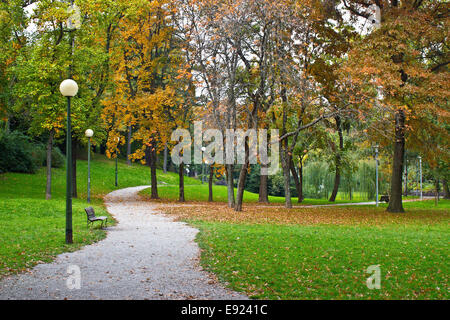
(13,22)
(399,74)
(145,85)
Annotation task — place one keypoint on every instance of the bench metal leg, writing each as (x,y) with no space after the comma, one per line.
(104,223)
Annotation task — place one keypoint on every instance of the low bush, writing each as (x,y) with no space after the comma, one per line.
(40,156)
(17,153)
(58,159)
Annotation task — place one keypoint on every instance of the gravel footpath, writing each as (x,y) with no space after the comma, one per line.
(145,256)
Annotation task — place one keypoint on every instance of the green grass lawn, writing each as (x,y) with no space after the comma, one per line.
(426,204)
(323,253)
(326,261)
(443,204)
(32,229)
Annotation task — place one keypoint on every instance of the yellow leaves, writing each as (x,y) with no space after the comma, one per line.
(149,76)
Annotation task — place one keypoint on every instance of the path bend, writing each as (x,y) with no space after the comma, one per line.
(145,256)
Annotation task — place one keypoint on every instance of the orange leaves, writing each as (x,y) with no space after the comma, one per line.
(392,69)
(258,214)
(184,74)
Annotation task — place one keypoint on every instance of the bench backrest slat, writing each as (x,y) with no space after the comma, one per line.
(90,212)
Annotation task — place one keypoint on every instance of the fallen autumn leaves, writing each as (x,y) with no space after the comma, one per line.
(303,216)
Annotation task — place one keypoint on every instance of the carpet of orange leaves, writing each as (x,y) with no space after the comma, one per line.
(303,216)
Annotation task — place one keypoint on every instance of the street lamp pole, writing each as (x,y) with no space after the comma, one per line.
(69,235)
(118,140)
(69,89)
(116,183)
(89,133)
(210,180)
(376,173)
(203,165)
(420,170)
(203,172)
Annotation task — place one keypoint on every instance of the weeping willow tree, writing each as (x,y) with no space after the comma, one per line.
(357,183)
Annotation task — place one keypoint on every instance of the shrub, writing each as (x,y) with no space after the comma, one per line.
(16,153)
(276,185)
(58,159)
(39,154)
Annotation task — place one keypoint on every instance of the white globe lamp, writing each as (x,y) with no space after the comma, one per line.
(68,88)
(89,133)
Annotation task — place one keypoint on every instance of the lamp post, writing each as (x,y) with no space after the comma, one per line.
(211,174)
(376,172)
(69,89)
(203,165)
(420,172)
(118,140)
(89,133)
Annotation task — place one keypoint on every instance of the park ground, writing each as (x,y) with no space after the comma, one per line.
(266,252)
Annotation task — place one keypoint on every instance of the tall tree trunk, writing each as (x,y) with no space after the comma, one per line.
(181,182)
(74,168)
(395,199)
(263,189)
(285,164)
(337,181)
(296,179)
(263,185)
(337,176)
(242,178)
(210,184)
(285,156)
(436,186)
(153,173)
(229,168)
(287,182)
(165,159)
(263,182)
(446,189)
(240,188)
(129,146)
(48,189)
(300,173)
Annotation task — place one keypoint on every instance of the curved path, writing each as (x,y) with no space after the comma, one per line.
(145,256)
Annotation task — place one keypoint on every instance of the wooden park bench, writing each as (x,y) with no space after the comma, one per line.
(91,218)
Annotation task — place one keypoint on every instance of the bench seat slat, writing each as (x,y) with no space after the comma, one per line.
(98,218)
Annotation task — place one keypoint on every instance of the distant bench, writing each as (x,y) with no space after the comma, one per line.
(91,218)
(385,198)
